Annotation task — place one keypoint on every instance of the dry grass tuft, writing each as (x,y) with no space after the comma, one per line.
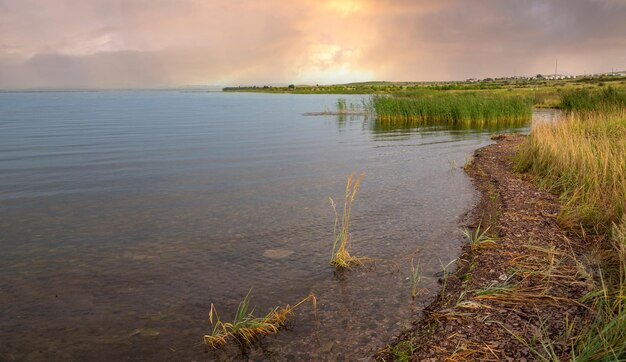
(470,351)
(341,258)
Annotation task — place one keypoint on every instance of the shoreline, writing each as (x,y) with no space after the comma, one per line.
(523,287)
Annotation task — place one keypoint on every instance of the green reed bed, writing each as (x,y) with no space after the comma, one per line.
(609,99)
(453,109)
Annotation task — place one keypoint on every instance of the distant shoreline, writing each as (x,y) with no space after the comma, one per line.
(90,90)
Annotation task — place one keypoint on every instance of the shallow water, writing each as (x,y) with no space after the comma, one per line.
(124,215)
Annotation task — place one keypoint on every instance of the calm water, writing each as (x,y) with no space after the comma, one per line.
(124,215)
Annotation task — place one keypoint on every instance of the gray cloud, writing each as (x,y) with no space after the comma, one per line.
(141,43)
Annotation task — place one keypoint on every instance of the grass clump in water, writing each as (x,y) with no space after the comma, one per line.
(453,109)
(341,258)
(342,105)
(416,276)
(246,328)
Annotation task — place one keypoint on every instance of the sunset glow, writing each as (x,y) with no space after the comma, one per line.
(140,43)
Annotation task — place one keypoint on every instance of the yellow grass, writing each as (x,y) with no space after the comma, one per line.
(470,351)
(582,156)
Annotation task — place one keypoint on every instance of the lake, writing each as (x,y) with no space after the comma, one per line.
(125,214)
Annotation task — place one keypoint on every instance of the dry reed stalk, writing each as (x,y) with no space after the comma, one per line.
(341,258)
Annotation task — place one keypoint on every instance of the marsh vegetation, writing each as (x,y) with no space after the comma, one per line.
(584,100)
(583,159)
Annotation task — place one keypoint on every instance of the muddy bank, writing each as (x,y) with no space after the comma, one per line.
(503,295)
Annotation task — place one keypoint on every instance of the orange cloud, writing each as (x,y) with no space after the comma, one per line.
(146,43)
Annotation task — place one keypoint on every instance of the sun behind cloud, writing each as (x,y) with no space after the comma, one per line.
(140,43)
(345,7)
(332,63)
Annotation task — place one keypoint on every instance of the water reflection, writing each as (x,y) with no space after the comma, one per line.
(382,131)
(549,115)
(386,128)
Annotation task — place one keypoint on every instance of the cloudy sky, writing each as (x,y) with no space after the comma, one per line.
(155,43)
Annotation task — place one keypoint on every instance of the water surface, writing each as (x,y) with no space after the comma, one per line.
(124,215)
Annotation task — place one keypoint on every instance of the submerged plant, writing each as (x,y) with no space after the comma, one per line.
(416,276)
(467,164)
(340,258)
(342,105)
(444,279)
(246,328)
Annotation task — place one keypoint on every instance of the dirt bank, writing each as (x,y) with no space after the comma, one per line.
(506,296)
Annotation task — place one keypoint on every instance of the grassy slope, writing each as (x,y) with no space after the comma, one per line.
(583,157)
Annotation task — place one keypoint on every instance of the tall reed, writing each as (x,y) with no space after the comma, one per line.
(341,258)
(453,109)
(582,156)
